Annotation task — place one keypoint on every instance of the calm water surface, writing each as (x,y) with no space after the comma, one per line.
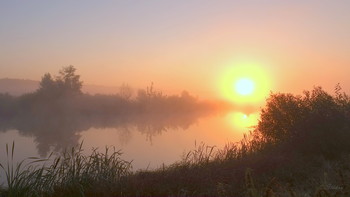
(148,143)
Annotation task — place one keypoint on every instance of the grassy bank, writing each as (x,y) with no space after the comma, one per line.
(202,172)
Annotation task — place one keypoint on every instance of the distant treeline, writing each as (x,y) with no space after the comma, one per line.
(62,95)
(58,110)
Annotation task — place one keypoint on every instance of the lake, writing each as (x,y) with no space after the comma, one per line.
(148,142)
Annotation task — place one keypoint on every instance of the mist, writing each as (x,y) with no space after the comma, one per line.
(58,111)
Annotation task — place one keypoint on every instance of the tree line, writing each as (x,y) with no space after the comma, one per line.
(58,111)
(63,94)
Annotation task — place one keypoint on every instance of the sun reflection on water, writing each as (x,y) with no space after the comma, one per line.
(242,121)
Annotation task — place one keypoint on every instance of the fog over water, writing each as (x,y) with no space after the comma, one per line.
(55,131)
(147,139)
(148,126)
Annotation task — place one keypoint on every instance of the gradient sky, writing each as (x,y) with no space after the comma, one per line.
(180,44)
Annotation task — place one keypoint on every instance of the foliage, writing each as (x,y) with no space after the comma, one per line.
(317,122)
(70,174)
(67,82)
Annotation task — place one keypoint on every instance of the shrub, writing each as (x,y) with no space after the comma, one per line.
(314,123)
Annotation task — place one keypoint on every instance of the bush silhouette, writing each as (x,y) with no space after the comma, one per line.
(314,123)
(66,83)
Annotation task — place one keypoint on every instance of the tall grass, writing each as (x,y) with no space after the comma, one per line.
(68,174)
(204,171)
(21,178)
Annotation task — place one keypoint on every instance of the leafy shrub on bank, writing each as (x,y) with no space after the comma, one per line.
(314,123)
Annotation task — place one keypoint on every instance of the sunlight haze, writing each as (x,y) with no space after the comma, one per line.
(178,45)
(174,98)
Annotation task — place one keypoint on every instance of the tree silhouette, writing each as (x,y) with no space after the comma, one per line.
(281,117)
(315,123)
(47,82)
(67,82)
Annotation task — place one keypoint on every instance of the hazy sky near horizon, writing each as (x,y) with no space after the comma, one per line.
(178,44)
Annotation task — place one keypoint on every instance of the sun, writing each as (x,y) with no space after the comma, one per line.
(245,83)
(244,86)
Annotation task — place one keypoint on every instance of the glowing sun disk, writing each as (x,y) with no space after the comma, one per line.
(244,86)
(245,83)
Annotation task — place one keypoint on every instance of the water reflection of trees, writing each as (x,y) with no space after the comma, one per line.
(57,113)
(60,126)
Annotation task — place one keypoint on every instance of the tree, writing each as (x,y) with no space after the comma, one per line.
(68,80)
(47,83)
(316,122)
(281,118)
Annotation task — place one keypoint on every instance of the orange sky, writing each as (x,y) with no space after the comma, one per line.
(179,44)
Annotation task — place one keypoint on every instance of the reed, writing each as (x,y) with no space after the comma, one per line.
(68,174)
(204,171)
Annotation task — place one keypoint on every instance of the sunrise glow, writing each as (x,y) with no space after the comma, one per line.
(244,86)
(198,95)
(245,83)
